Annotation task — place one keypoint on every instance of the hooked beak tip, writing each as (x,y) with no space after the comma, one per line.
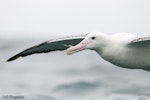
(68,52)
(79,47)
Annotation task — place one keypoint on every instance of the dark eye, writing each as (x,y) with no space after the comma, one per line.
(93,38)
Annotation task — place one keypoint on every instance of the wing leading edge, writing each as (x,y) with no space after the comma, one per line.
(140,42)
(48,46)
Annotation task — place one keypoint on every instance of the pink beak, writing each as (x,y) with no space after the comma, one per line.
(79,47)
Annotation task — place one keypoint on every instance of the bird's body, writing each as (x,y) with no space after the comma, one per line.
(119,52)
(122,49)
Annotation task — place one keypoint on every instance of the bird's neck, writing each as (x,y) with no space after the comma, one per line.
(105,42)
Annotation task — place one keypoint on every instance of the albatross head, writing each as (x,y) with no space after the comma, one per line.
(94,41)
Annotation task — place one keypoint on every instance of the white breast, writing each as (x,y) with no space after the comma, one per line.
(119,53)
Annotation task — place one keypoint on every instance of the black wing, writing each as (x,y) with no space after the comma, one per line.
(140,42)
(48,46)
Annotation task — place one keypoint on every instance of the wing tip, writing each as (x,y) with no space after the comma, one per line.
(13,58)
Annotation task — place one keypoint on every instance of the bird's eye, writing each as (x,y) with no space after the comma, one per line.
(93,38)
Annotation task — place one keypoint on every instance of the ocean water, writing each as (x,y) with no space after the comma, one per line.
(56,76)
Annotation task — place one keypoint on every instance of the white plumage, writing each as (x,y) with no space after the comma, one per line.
(122,49)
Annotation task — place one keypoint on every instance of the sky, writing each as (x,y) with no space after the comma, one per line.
(49,18)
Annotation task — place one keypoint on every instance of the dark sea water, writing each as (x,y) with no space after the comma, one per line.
(56,76)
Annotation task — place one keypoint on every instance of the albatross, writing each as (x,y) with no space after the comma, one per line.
(125,50)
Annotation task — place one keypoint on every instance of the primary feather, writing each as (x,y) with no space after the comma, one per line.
(48,46)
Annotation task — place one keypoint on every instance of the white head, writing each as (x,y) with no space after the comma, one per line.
(94,41)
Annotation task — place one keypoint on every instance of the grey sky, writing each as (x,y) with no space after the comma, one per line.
(64,17)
